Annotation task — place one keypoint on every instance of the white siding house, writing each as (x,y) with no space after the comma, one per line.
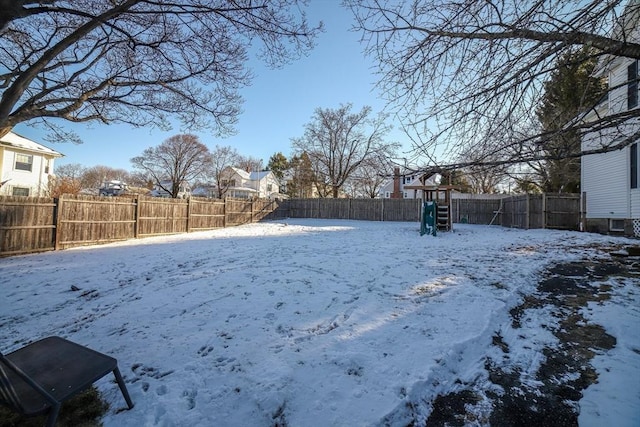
(405,180)
(247,185)
(610,181)
(25,166)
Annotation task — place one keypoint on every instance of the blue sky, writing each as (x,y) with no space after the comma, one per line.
(276,106)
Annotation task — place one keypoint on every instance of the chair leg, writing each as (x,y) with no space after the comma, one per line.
(123,387)
(53,415)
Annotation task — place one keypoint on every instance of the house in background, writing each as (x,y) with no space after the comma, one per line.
(25,166)
(165,188)
(248,185)
(396,187)
(610,181)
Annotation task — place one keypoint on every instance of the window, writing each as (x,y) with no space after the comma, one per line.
(269,187)
(616,225)
(46,167)
(634,165)
(24,162)
(20,191)
(632,85)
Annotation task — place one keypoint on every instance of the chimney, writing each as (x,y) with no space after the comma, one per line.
(396,184)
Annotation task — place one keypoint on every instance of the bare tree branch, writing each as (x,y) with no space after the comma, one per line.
(140,61)
(463,73)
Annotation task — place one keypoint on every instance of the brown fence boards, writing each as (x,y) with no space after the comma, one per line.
(562,211)
(83,220)
(205,214)
(358,209)
(31,224)
(401,210)
(476,211)
(367,209)
(160,216)
(239,212)
(26,224)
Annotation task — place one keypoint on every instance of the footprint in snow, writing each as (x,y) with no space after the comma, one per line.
(190,396)
(205,350)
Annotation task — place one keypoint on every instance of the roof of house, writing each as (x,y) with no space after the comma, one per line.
(251,176)
(14,140)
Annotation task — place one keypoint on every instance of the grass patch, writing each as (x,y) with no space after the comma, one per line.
(84,410)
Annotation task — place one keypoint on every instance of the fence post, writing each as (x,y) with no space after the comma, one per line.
(58,223)
(583,211)
(189,215)
(224,213)
(136,217)
(253,212)
(544,210)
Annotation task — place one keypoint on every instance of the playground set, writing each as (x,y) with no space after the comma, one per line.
(436,208)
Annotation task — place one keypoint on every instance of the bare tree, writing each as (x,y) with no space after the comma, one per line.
(460,72)
(299,179)
(139,61)
(482,175)
(369,178)
(70,171)
(179,159)
(94,176)
(338,142)
(67,180)
(249,164)
(222,158)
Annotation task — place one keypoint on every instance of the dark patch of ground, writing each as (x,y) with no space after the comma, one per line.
(566,371)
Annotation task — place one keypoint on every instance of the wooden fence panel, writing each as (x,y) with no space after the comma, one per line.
(304,208)
(334,208)
(206,214)
(366,209)
(239,211)
(265,209)
(562,211)
(84,220)
(515,212)
(476,211)
(402,209)
(159,216)
(27,224)
(535,218)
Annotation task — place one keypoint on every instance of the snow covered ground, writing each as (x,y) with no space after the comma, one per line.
(312,322)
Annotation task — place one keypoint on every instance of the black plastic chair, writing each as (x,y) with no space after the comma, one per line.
(39,377)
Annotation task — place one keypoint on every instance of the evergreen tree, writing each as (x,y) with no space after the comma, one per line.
(301,182)
(570,91)
(278,164)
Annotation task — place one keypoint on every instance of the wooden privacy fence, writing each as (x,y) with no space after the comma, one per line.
(32,224)
(559,211)
(358,209)
(35,224)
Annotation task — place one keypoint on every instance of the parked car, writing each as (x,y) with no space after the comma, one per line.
(184,191)
(113,188)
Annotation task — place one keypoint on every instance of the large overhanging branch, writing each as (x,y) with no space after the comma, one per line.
(149,59)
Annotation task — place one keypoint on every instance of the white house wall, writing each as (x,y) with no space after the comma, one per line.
(36,179)
(607,191)
(606,177)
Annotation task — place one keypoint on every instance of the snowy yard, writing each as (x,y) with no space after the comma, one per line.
(317,322)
